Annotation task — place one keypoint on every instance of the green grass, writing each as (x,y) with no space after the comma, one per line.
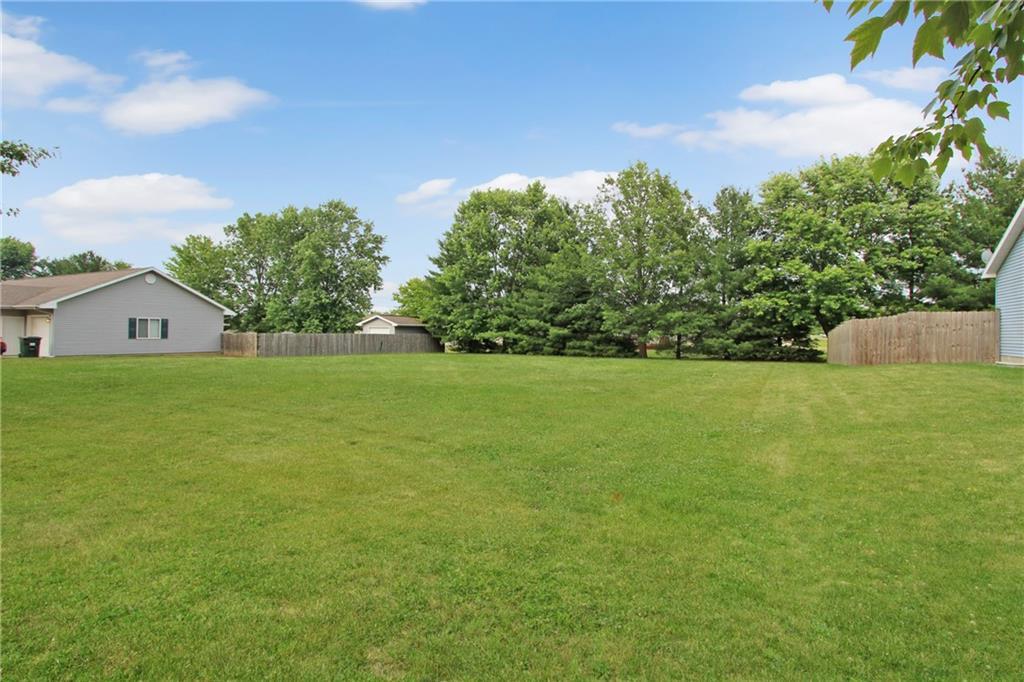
(492,517)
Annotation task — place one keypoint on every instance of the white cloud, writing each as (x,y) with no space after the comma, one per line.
(646,132)
(391,4)
(126,207)
(438,199)
(427,190)
(164,63)
(831,88)
(73,105)
(577,186)
(30,71)
(21,27)
(166,103)
(829,116)
(182,103)
(923,79)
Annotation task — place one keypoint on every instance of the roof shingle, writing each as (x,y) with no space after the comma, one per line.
(35,291)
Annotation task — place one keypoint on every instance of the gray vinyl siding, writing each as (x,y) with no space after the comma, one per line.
(96,323)
(1010,302)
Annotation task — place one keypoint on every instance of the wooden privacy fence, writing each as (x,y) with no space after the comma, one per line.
(915,338)
(251,344)
(239,345)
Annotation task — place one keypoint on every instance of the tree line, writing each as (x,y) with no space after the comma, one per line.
(744,278)
(18,260)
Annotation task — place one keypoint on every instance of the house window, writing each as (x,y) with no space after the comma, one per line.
(147,328)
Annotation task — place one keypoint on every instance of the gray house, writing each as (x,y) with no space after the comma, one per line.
(135,311)
(391,324)
(1007,267)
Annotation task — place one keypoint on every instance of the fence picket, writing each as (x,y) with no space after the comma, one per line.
(917,337)
(251,344)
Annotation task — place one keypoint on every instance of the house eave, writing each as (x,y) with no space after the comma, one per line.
(1010,237)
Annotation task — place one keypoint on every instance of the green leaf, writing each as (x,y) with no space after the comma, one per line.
(855,7)
(942,161)
(881,165)
(927,8)
(929,39)
(981,35)
(999,110)
(968,100)
(905,174)
(897,13)
(974,129)
(956,17)
(865,39)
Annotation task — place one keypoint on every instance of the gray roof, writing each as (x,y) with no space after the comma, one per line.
(35,291)
(45,292)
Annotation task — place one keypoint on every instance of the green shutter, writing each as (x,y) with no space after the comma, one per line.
(131,327)
(163,327)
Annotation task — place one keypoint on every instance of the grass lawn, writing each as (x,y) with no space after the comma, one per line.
(440,516)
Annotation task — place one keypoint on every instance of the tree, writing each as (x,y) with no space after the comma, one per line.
(910,247)
(990,35)
(204,265)
(727,327)
(86,261)
(17,258)
(332,263)
(15,155)
(486,261)
(302,270)
(415,298)
(809,264)
(561,310)
(642,248)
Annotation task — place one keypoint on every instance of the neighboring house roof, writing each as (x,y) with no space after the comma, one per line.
(47,292)
(395,320)
(1010,237)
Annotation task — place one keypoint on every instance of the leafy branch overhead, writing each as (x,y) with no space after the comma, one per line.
(991,34)
(14,155)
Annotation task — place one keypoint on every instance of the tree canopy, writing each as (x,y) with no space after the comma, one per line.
(301,270)
(86,261)
(524,272)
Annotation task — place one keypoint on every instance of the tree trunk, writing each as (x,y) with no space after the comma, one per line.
(641,348)
(679,346)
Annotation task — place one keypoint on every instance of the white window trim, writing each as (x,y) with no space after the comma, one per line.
(149,329)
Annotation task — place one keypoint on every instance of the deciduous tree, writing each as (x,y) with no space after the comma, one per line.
(17,258)
(642,249)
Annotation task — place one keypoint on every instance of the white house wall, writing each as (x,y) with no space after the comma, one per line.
(96,323)
(378,327)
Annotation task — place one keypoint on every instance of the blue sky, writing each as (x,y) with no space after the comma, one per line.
(177,118)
